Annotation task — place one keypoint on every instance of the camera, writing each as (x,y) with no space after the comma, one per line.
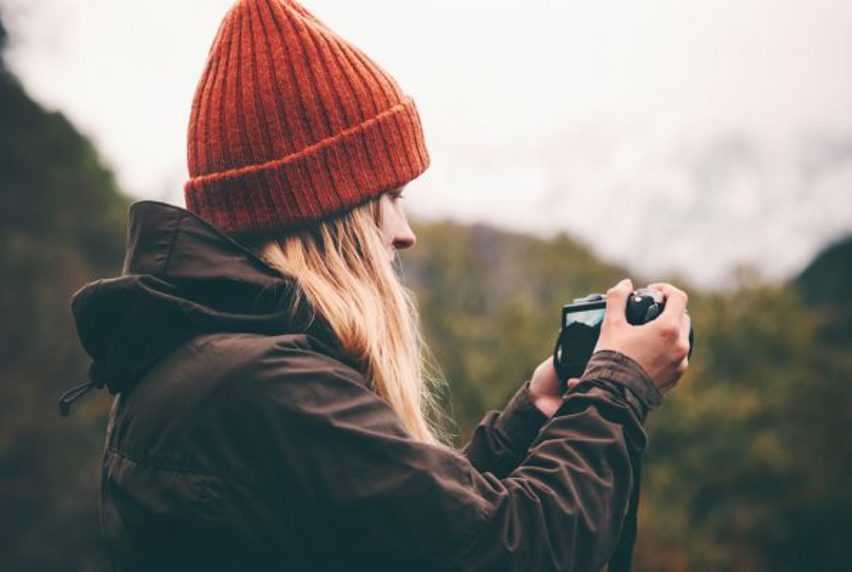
(581,328)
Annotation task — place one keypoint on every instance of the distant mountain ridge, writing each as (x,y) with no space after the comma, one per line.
(747,464)
(826,284)
(701,202)
(62,223)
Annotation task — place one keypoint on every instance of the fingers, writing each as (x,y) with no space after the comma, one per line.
(616,302)
(683,339)
(681,348)
(676,300)
(685,327)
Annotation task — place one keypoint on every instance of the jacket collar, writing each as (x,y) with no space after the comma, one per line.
(183,277)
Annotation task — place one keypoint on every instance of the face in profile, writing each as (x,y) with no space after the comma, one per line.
(396,233)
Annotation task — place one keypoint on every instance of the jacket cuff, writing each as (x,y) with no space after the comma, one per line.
(520,421)
(618,368)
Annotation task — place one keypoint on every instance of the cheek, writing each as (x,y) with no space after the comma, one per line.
(391,219)
(387,235)
(388,221)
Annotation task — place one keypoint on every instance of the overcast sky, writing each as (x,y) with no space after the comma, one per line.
(676,136)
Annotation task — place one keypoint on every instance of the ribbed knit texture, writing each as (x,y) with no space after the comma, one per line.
(291,124)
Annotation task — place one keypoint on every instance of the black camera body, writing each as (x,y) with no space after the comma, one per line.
(581,327)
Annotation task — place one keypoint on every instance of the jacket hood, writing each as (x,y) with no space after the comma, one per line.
(182,277)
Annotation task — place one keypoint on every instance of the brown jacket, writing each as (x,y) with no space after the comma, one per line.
(242,438)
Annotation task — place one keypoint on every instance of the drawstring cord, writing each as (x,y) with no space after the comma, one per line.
(74,394)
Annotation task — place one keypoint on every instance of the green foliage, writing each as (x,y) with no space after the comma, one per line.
(825,286)
(748,459)
(61,225)
(490,303)
(733,474)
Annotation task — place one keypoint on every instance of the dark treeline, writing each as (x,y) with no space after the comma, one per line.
(747,463)
(748,457)
(61,224)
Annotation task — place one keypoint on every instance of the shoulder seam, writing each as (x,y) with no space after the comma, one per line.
(177,468)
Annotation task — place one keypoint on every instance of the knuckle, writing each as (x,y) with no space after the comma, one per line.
(669,331)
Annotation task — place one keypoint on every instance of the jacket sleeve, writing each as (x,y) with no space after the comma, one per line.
(501,440)
(394,503)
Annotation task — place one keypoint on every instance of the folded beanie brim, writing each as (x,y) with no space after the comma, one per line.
(329,177)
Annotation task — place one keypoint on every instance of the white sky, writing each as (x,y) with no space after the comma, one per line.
(679,136)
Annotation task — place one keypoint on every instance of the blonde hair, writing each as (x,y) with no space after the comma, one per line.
(342,269)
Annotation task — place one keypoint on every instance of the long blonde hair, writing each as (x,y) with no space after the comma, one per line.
(342,269)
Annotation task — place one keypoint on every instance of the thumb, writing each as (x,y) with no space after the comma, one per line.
(616,302)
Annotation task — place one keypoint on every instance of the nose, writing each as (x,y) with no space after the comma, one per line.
(405,239)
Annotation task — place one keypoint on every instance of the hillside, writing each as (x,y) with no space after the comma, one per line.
(826,285)
(748,461)
(61,224)
(744,470)
(500,294)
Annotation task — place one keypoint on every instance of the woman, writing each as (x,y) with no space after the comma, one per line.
(272,411)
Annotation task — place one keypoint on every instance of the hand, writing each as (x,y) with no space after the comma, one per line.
(661,346)
(545,390)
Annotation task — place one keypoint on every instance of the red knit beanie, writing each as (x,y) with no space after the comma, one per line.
(291,124)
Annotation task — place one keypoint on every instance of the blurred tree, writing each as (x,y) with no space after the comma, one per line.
(61,224)
(825,286)
(491,304)
(748,459)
